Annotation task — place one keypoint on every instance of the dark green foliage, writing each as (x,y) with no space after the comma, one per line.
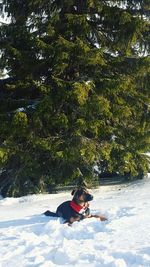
(77,93)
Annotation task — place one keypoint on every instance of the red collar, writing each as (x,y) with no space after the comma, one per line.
(75,206)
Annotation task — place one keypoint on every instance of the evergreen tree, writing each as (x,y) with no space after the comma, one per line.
(77,94)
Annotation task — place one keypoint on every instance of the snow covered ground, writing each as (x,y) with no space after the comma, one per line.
(28,238)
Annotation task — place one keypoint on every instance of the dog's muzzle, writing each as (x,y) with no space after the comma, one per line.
(88,197)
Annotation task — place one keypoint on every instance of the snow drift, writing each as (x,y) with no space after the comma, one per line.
(28,238)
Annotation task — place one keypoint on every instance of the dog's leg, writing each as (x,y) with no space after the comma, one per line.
(101,217)
(74,219)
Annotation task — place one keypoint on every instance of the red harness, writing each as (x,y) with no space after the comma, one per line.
(76,206)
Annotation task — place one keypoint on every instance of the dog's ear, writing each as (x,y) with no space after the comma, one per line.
(73,192)
(82,189)
(78,191)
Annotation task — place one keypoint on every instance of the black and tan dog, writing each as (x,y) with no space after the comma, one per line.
(76,209)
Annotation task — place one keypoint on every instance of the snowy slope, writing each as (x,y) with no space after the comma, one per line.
(28,238)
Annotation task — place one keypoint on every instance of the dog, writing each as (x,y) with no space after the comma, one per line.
(76,209)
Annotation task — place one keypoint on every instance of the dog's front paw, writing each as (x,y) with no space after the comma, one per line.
(103,218)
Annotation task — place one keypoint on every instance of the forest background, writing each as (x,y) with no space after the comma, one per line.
(76,94)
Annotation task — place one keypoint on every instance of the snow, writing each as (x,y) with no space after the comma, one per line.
(28,238)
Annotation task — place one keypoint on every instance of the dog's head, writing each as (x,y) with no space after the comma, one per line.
(81,195)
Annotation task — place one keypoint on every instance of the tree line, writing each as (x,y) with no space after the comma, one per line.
(76,93)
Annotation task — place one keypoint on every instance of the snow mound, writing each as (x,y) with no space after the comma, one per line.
(28,238)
